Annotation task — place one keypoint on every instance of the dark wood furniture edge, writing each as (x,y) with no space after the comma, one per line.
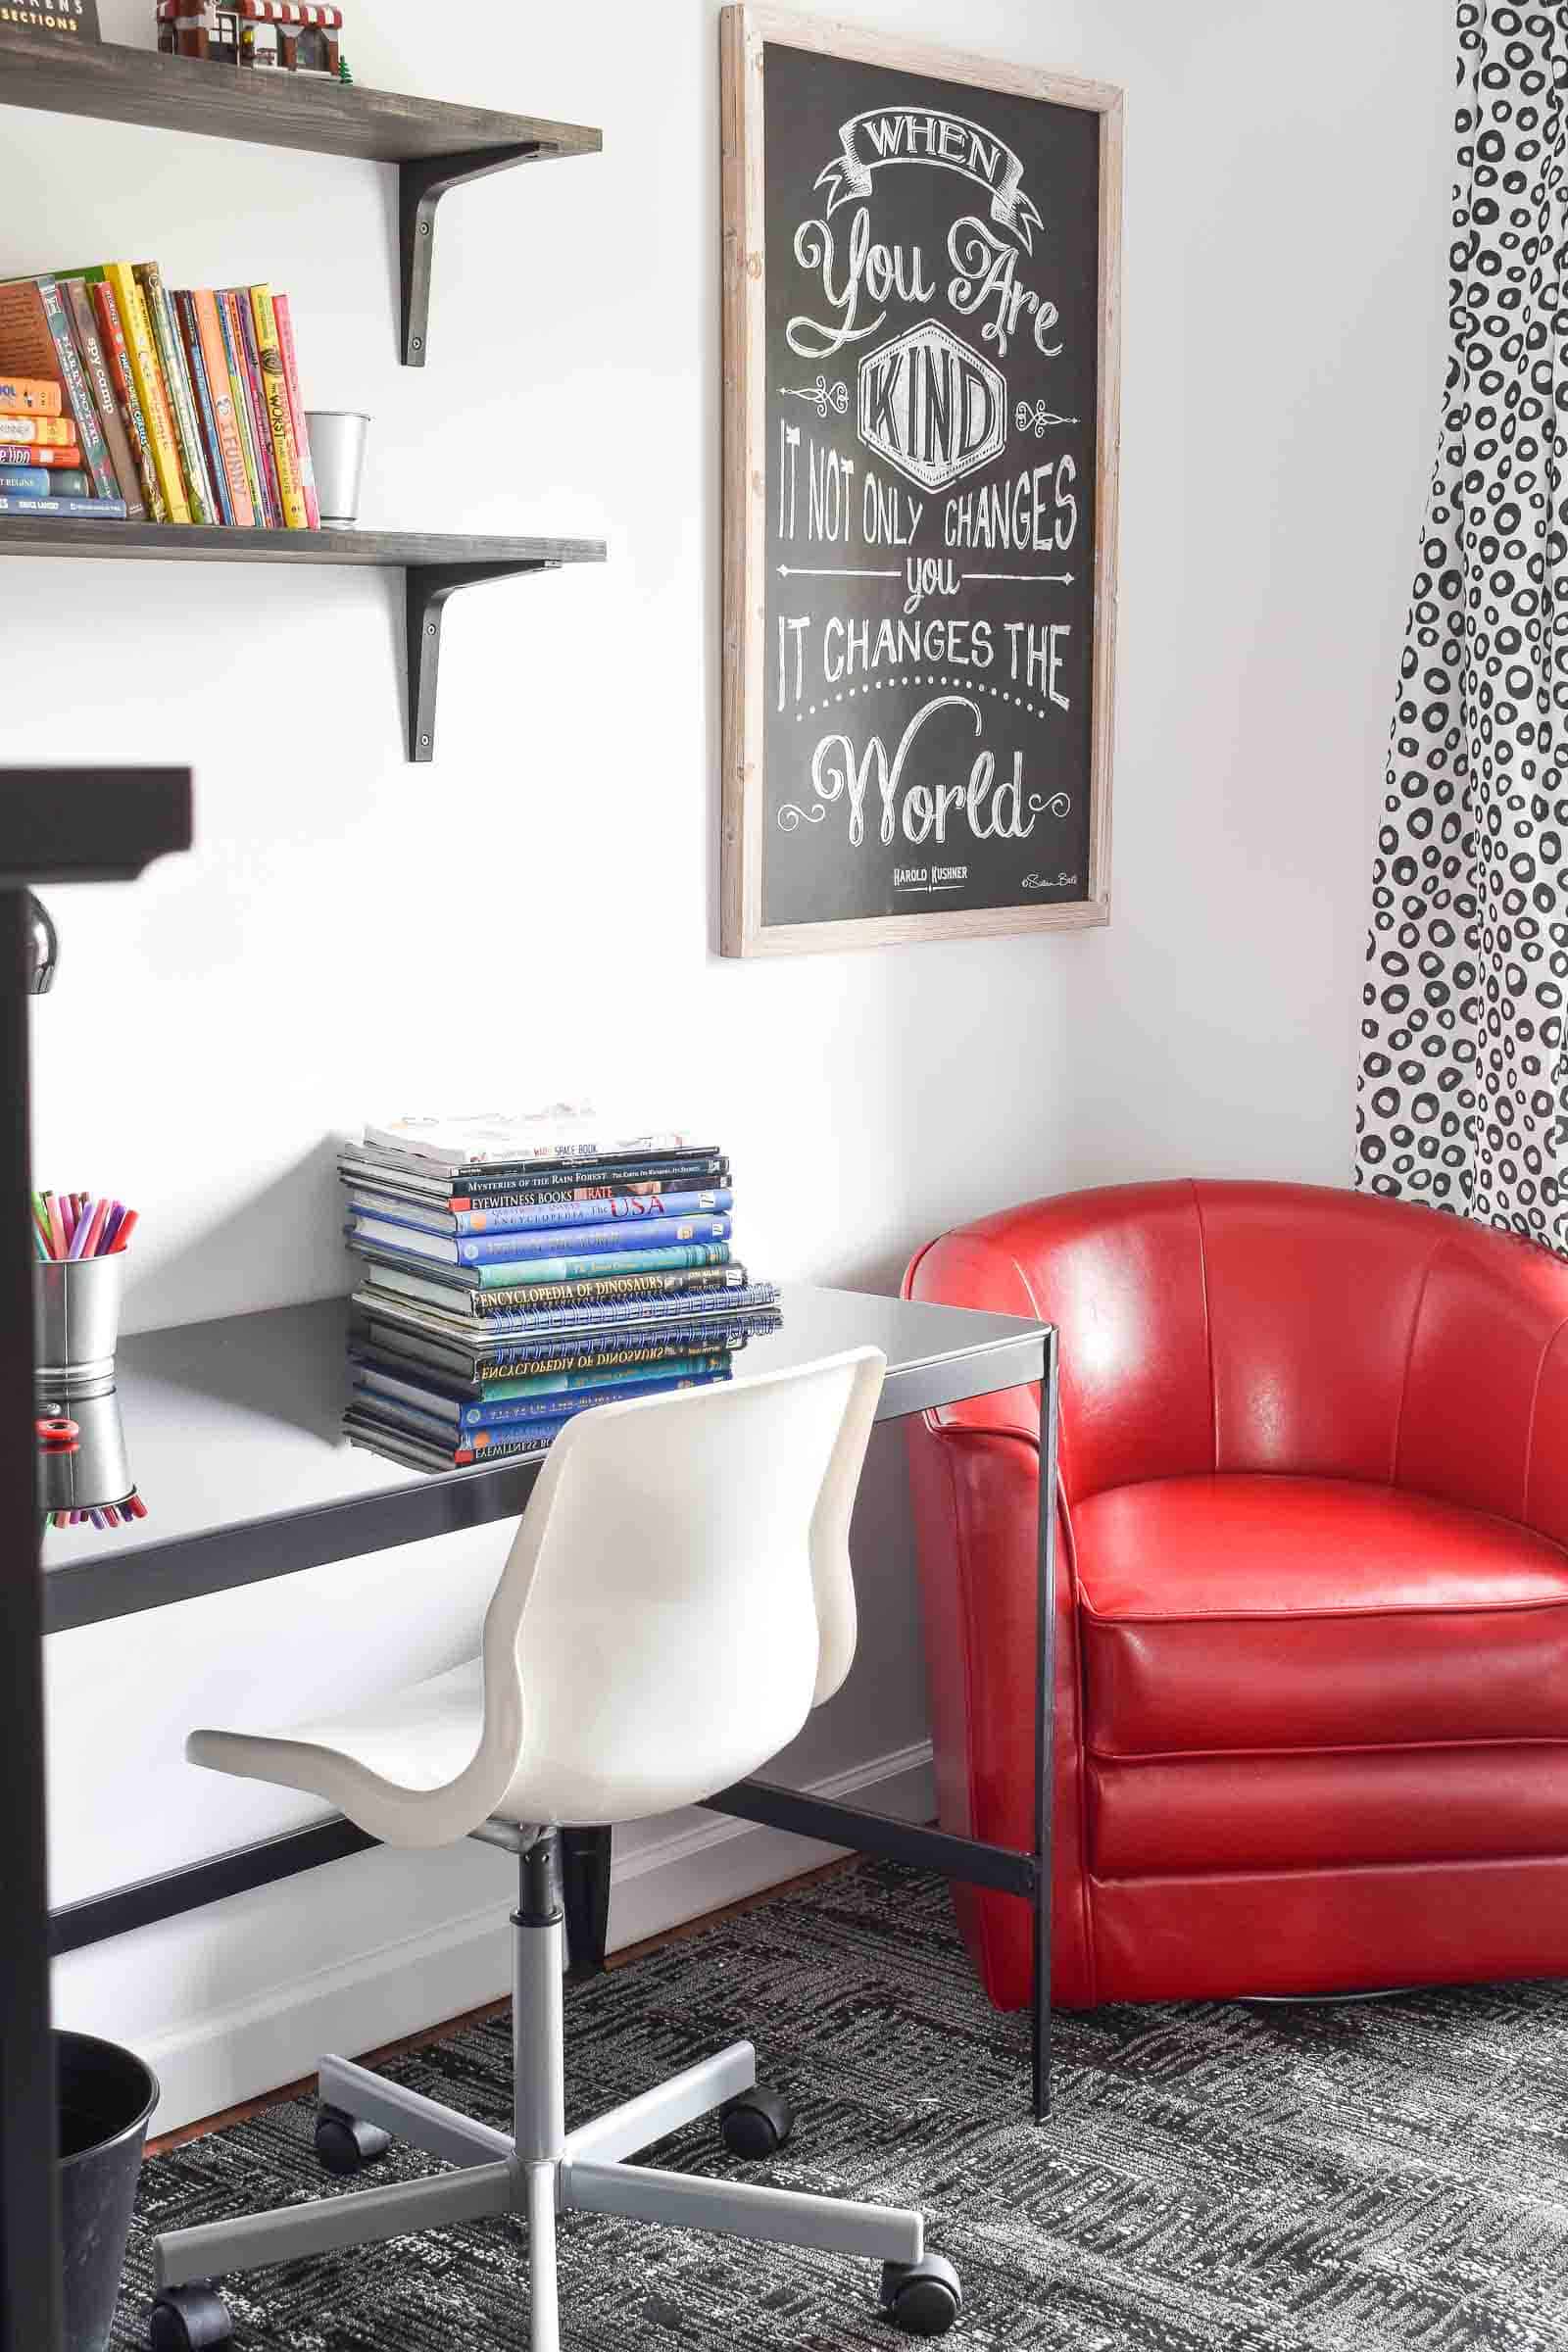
(89,824)
(42,839)
(110,81)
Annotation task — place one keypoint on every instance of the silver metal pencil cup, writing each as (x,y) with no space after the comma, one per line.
(76,1324)
(337,452)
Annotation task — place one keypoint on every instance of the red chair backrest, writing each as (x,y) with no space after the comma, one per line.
(1280,1328)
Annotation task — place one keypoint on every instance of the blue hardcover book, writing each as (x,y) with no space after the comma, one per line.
(100,510)
(517,1273)
(521,1249)
(24,481)
(543,1217)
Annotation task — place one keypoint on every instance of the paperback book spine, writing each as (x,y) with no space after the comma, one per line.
(116,441)
(598,1184)
(226,422)
(296,409)
(29,396)
(234,357)
(182,399)
(384,1436)
(521,1249)
(190,349)
(148,376)
(256,402)
(544,1217)
(65,459)
(117,356)
(560,1314)
(280,422)
(100,510)
(604,1291)
(584,1268)
(39,432)
(24,481)
(78,392)
(503,1413)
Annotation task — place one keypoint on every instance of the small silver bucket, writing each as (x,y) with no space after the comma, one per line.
(75,1323)
(99,1471)
(337,452)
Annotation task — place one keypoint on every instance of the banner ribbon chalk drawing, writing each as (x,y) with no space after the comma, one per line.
(923,134)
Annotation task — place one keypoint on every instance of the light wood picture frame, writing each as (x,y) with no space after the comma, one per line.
(878,419)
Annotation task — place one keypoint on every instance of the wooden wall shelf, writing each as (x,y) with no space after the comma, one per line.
(435,146)
(436,564)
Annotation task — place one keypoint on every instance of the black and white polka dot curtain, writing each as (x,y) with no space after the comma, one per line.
(1463,1094)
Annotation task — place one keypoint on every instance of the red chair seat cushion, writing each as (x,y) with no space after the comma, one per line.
(1280,1614)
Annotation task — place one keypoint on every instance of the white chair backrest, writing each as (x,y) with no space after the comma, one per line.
(678,1594)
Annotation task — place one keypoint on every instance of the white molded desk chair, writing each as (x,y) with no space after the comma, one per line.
(676,1599)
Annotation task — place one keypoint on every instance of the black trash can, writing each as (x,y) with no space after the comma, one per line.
(105,2098)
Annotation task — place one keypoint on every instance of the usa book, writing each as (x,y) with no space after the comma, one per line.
(519,1273)
(537,1216)
(518,1249)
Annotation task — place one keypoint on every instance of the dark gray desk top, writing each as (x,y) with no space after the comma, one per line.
(232,1437)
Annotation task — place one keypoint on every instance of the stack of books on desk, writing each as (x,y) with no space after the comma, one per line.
(518,1270)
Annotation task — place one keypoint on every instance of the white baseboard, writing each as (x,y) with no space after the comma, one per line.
(663,1877)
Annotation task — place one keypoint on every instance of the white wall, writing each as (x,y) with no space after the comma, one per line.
(349,928)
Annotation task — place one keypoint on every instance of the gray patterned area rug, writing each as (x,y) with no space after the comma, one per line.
(1384,2177)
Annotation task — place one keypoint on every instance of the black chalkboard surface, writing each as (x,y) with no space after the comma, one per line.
(919,490)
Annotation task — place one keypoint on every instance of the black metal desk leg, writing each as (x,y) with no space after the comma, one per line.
(585,1900)
(1044,1732)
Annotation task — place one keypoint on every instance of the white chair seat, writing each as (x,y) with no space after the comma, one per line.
(409,1743)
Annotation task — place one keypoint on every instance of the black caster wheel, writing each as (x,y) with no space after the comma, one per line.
(922,2297)
(188,2319)
(757,2123)
(344,2144)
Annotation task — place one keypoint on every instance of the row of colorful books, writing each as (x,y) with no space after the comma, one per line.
(519,1270)
(124,399)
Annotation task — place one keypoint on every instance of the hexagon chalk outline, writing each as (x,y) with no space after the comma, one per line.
(919,391)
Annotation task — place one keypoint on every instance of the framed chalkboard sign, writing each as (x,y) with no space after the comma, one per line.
(921,266)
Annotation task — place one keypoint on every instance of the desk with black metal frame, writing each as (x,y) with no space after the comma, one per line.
(265,1392)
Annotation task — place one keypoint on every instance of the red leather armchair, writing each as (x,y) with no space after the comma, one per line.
(1313,1592)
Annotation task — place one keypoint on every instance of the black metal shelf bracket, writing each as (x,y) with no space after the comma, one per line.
(428,587)
(421,188)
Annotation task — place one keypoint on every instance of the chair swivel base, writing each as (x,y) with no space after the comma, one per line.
(538,2170)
